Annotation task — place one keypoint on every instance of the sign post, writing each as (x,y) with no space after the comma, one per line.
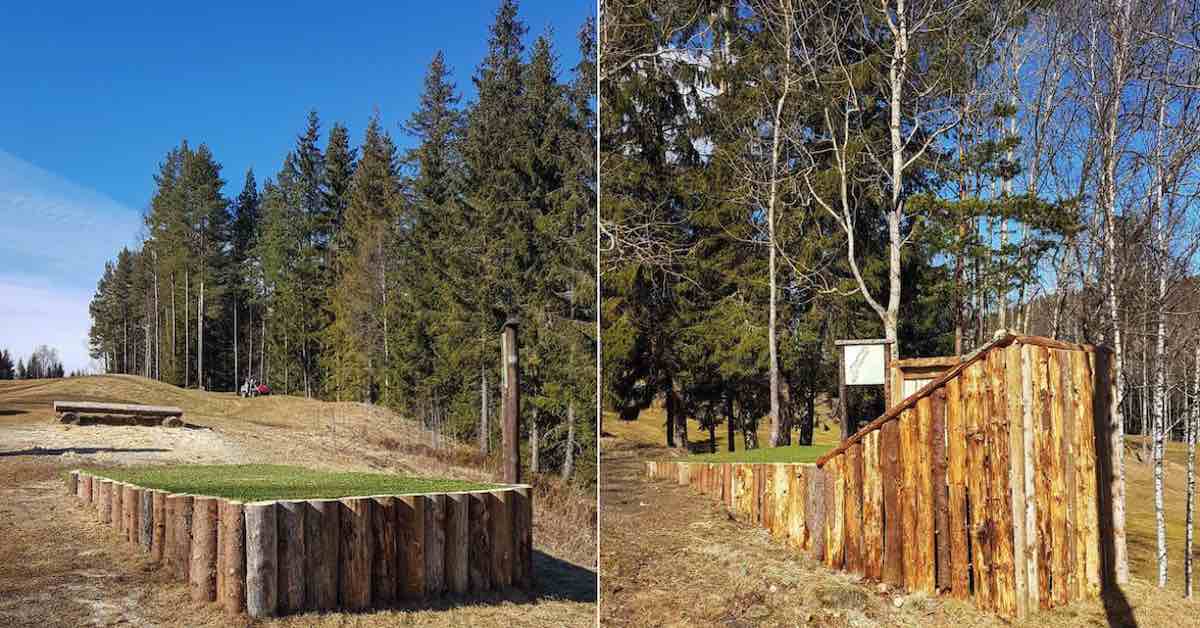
(511,425)
(861,363)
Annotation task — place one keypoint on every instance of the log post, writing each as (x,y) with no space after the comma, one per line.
(261,547)
(131,502)
(181,538)
(104,506)
(384,575)
(73,483)
(410,541)
(522,518)
(458,519)
(158,509)
(291,555)
(512,402)
(322,527)
(116,511)
(479,554)
(202,574)
(232,537)
(355,552)
(435,545)
(146,520)
(500,510)
(85,485)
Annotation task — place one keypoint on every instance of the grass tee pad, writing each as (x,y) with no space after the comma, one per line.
(269,539)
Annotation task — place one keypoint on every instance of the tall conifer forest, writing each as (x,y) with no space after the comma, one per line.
(362,272)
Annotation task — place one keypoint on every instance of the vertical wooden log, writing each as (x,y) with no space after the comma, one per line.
(181,520)
(835,512)
(756,481)
(853,506)
(158,510)
(116,514)
(872,509)
(893,520)
(798,495)
(85,487)
(355,553)
(956,474)
(502,538)
(104,507)
(814,512)
(909,435)
(522,517)
(1029,446)
(203,549)
(1000,506)
(131,502)
(1088,493)
(291,555)
(232,537)
(977,485)
(458,538)
(146,520)
(781,500)
(479,554)
(410,518)
(435,545)
(385,576)
(941,497)
(1076,552)
(1013,386)
(1045,468)
(73,483)
(1060,566)
(926,531)
(322,529)
(262,545)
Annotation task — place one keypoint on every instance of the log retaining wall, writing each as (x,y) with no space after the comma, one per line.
(277,557)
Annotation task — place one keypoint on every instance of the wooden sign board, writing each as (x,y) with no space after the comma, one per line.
(864,364)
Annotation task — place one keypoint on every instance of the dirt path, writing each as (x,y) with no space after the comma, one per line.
(672,557)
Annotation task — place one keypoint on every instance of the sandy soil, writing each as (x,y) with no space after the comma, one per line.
(672,557)
(59,567)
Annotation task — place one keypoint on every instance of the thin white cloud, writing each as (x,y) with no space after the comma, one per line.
(55,236)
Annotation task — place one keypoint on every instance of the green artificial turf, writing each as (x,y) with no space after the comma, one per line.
(765,454)
(260,482)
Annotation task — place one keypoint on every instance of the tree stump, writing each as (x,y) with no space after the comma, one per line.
(202,574)
(291,555)
(355,554)
(232,537)
(261,547)
(322,527)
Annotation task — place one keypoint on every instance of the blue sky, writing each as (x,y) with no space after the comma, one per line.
(93,95)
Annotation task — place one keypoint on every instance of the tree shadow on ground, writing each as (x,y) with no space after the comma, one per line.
(1117,610)
(39,451)
(11,412)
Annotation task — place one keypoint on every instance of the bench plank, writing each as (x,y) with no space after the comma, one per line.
(61,407)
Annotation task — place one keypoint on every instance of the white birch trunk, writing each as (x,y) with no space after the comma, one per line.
(1193,423)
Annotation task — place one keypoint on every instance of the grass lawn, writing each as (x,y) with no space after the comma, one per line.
(259,482)
(790,454)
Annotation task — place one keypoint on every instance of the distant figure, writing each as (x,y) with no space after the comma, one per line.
(251,388)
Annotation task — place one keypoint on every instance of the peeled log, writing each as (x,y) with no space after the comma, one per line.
(355,553)
(479,555)
(458,513)
(322,527)
(202,563)
(85,488)
(181,538)
(522,523)
(500,511)
(158,509)
(410,541)
(232,536)
(384,574)
(291,555)
(261,564)
(115,510)
(130,502)
(104,505)
(435,545)
(73,483)
(146,520)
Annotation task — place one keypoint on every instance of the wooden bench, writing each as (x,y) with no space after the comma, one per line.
(73,412)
